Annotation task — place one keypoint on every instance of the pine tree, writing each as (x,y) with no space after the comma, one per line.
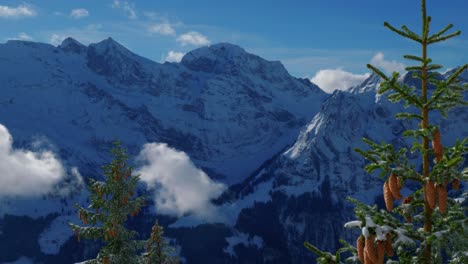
(112,202)
(157,249)
(427,226)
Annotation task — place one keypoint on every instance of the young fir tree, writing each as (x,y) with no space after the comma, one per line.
(157,249)
(427,226)
(113,201)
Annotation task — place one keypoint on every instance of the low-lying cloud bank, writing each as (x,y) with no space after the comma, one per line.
(24,172)
(180,187)
(338,79)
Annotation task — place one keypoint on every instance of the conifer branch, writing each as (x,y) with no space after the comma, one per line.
(404,34)
(413,68)
(327,256)
(407,96)
(455,74)
(410,33)
(408,116)
(378,72)
(412,57)
(438,34)
(436,94)
(450,99)
(439,39)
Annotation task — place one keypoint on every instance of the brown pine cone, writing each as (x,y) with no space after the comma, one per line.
(367,260)
(442,193)
(388,197)
(380,252)
(430,193)
(388,245)
(360,248)
(456,184)
(394,186)
(369,249)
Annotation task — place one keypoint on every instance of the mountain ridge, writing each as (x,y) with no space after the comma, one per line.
(174,95)
(282,144)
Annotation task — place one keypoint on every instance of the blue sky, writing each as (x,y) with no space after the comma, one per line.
(329,41)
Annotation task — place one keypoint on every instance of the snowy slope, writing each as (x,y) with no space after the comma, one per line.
(241,111)
(77,99)
(285,145)
(301,193)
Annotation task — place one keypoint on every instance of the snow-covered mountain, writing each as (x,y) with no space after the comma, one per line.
(221,105)
(282,144)
(229,110)
(299,195)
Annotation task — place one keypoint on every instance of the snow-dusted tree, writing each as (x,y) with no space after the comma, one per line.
(157,248)
(113,201)
(427,226)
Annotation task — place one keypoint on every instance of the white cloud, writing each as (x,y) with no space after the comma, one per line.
(337,79)
(387,66)
(174,56)
(17,12)
(163,29)
(24,172)
(24,36)
(21,36)
(193,38)
(79,13)
(180,186)
(128,8)
(56,39)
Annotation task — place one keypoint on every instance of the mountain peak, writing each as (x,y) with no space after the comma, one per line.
(71,45)
(368,85)
(110,58)
(220,50)
(226,58)
(109,44)
(226,49)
